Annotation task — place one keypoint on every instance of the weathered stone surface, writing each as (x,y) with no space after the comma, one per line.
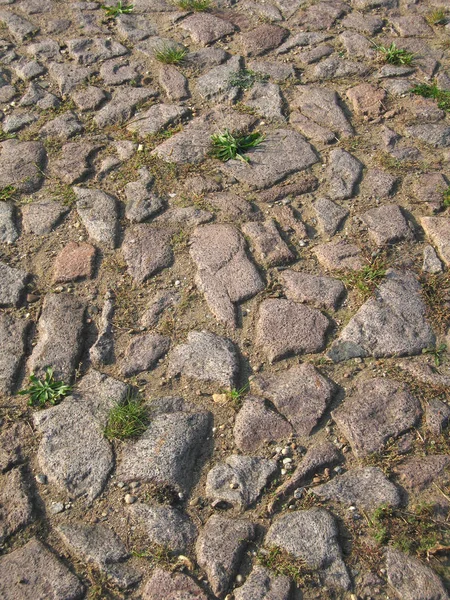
(184,216)
(205,28)
(224,273)
(102,351)
(122,104)
(89,98)
(217,85)
(335,68)
(312,536)
(322,106)
(141,201)
(206,58)
(165,526)
(8,229)
(13,337)
(339,255)
(22,164)
(98,212)
(262,39)
(436,135)
(172,586)
(301,394)
(437,416)
(285,327)
(19,27)
(68,76)
(63,127)
(430,188)
(344,172)
(330,216)
(387,224)
(115,73)
(89,51)
(206,357)
(378,184)
(134,27)
(431,262)
(276,70)
(290,221)
(320,291)
(174,83)
(438,230)
(411,579)
(74,262)
(16,509)
(392,323)
(220,547)
(73,164)
(367,99)
(163,300)
(378,410)
(100,546)
(256,425)
(146,250)
(239,480)
(419,472)
(33,570)
(305,183)
(156,118)
(262,584)
(15,122)
(270,247)
(266,100)
(12,438)
(231,205)
(143,353)
(365,487)
(303,38)
(169,450)
(364,23)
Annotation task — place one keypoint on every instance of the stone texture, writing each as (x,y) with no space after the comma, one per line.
(438,231)
(320,291)
(98,212)
(367,100)
(344,172)
(143,353)
(63,127)
(142,202)
(339,255)
(270,247)
(162,301)
(262,39)
(12,285)
(217,85)
(16,508)
(146,250)
(379,409)
(89,51)
(378,184)
(74,163)
(437,416)
(41,217)
(157,118)
(436,135)
(330,216)
(172,586)
(12,439)
(74,262)
(122,105)
(387,224)
(322,105)
(262,584)
(419,472)
(285,327)
(174,83)
(205,28)
(22,164)
(13,341)
(266,100)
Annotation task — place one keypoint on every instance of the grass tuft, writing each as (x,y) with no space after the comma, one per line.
(437,17)
(437,353)
(227,146)
(127,420)
(7,193)
(171,55)
(425,90)
(281,563)
(46,390)
(195,5)
(368,278)
(394,55)
(112,12)
(245,78)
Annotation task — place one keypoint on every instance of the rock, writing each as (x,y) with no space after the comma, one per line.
(171,586)
(134,28)
(320,291)
(335,68)
(378,184)
(22,165)
(101,393)
(174,83)
(157,118)
(102,351)
(391,323)
(262,584)
(364,23)
(413,25)
(262,39)
(301,394)
(224,273)
(74,262)
(60,336)
(255,425)
(322,105)
(33,569)
(231,205)
(289,221)
(379,409)
(436,135)
(8,229)
(387,224)
(239,480)
(312,536)
(339,255)
(41,217)
(98,212)
(100,546)
(184,216)
(205,357)
(205,28)
(276,70)
(146,250)
(73,165)
(430,188)
(309,57)
(419,472)
(438,230)
(12,438)
(14,122)
(89,98)
(141,201)
(19,27)
(285,327)
(63,127)
(162,301)
(164,526)
(437,416)
(169,451)
(220,548)
(365,487)
(143,353)
(367,100)
(431,262)
(122,104)
(272,250)
(206,58)
(217,85)
(330,216)
(116,73)
(90,51)
(344,172)
(16,508)
(13,340)
(306,183)
(283,152)
(310,129)
(68,76)
(265,99)
(303,38)
(411,579)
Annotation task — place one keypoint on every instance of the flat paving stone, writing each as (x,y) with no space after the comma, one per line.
(74,262)
(339,255)
(164,585)
(142,202)
(146,251)
(98,212)
(16,507)
(262,39)
(330,216)
(22,165)
(262,584)
(122,105)
(205,28)
(8,228)
(89,51)
(270,247)
(156,118)
(143,353)
(343,173)
(321,292)
(387,225)
(323,106)
(438,230)
(13,341)
(420,472)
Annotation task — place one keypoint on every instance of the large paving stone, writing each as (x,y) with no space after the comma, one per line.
(98,212)
(146,250)
(301,394)
(322,292)
(122,105)
(282,153)
(19,27)
(262,39)
(12,285)
(22,165)
(32,571)
(89,51)
(365,487)
(343,173)
(312,536)
(60,336)
(387,225)
(392,323)
(73,164)
(262,584)
(434,134)
(239,480)
(266,99)
(205,357)
(225,275)
(411,579)
(438,230)
(378,409)
(285,327)
(142,202)
(172,586)
(169,450)
(322,105)
(13,338)
(16,508)
(220,548)
(205,28)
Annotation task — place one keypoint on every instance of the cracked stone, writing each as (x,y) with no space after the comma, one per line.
(157,118)
(323,106)
(270,247)
(98,212)
(146,251)
(12,285)
(387,225)
(143,353)
(320,291)
(330,216)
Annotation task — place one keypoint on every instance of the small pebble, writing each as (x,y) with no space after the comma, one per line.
(41,479)
(56,508)
(129,499)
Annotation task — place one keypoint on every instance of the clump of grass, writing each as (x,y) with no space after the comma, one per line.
(170,55)
(127,420)
(7,193)
(368,278)
(158,556)
(436,293)
(436,353)
(394,55)
(236,395)
(245,78)
(112,12)
(281,563)
(437,17)
(45,391)
(425,90)
(227,146)
(195,5)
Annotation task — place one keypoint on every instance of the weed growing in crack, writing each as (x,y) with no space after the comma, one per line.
(7,193)
(112,12)
(245,78)
(170,55)
(436,353)
(227,146)
(45,391)
(368,278)
(437,17)
(281,563)
(432,91)
(236,395)
(127,420)
(394,55)
(195,5)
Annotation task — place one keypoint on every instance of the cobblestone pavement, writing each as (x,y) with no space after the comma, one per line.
(246,361)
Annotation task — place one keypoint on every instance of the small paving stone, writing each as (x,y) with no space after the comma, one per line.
(289,221)
(34,569)
(19,27)
(262,39)
(16,508)
(141,201)
(205,28)
(157,118)
(437,416)
(240,480)
(115,73)
(266,100)
(174,83)
(12,285)
(143,353)
(102,351)
(12,439)
(74,262)
(365,487)
(28,69)
(205,357)
(312,535)
(98,212)
(206,58)
(100,546)
(256,425)
(322,106)
(231,205)
(8,229)
(285,327)
(63,127)
(216,84)
(330,216)
(322,292)
(378,184)
(22,164)
(41,217)
(431,262)
(364,23)
(276,70)
(344,172)
(269,245)
(89,51)
(165,526)
(164,585)
(339,255)
(169,451)
(429,188)
(89,98)
(387,225)
(16,122)
(438,231)
(122,105)
(301,394)
(303,38)
(263,584)
(367,99)
(378,410)
(146,250)
(74,163)
(419,472)
(393,323)
(182,217)
(411,579)
(220,548)
(436,135)
(68,76)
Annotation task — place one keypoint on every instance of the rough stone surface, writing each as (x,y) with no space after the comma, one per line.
(13,341)
(172,586)
(146,251)
(320,291)
(261,39)
(205,28)
(387,225)
(418,473)
(438,230)
(41,217)
(156,118)
(262,584)
(12,285)
(270,247)
(22,165)
(98,212)
(16,508)
(74,262)
(344,173)
(339,255)
(143,353)
(330,216)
